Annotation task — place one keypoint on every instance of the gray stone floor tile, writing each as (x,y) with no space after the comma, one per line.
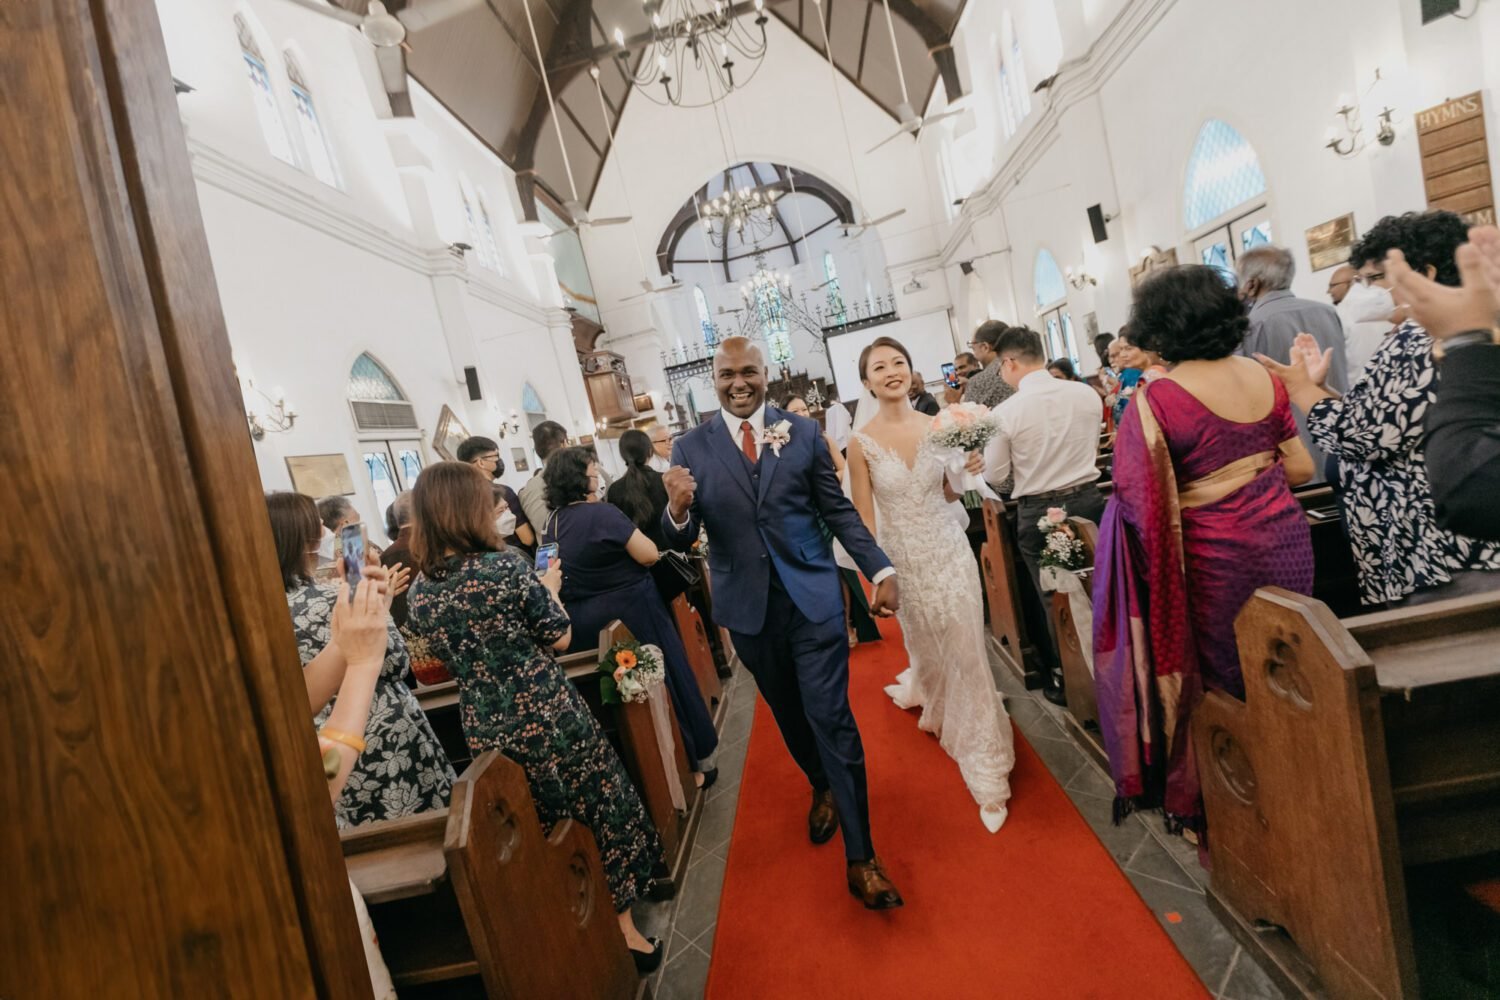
(1062,758)
(1121,841)
(684,976)
(716,822)
(705,941)
(698,899)
(1033,719)
(1185,916)
(1151,859)
(1247,982)
(1092,781)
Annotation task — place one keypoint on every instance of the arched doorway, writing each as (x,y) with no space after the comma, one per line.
(1225,208)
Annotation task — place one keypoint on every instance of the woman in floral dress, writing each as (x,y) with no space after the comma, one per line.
(403,769)
(494,622)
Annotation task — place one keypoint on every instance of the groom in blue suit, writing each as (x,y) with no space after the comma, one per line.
(759,479)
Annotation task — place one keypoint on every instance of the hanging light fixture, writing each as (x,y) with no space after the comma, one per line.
(748,213)
(696,38)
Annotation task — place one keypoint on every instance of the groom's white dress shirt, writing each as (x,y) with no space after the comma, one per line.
(757,421)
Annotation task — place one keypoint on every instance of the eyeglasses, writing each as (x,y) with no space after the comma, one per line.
(1369,279)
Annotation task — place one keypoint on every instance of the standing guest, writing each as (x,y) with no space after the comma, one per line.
(1369,315)
(1047,437)
(1338,284)
(921,400)
(402,769)
(398,553)
(838,424)
(1375,431)
(1132,365)
(494,623)
(1062,368)
(1463,425)
(484,454)
(336,513)
(1202,515)
(965,366)
(1277,316)
(987,387)
(640,495)
(547,438)
(661,448)
(608,576)
(1101,348)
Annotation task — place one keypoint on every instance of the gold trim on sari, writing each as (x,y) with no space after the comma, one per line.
(1224,480)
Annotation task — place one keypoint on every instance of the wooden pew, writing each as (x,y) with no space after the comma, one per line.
(632,730)
(1003,574)
(695,638)
(476,890)
(1362,746)
(1082,713)
(702,598)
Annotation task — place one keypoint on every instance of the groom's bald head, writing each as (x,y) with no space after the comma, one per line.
(740,376)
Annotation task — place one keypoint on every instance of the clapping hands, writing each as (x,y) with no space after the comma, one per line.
(1306,371)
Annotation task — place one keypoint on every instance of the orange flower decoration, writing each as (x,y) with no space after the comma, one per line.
(625,659)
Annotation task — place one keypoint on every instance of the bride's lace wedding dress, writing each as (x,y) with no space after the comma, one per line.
(942,619)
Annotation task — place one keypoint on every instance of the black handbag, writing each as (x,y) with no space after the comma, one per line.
(685,568)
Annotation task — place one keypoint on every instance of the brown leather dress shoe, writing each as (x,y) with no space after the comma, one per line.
(822,818)
(869,882)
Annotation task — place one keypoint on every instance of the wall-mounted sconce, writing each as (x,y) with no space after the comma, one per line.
(278,418)
(1345,136)
(1079,278)
(510,426)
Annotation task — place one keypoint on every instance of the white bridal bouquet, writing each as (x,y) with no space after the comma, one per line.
(958,430)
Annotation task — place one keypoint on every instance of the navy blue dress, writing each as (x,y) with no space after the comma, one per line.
(601,582)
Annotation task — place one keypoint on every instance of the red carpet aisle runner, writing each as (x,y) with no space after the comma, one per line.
(1038,910)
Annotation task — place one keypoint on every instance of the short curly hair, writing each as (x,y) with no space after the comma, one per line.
(1428,239)
(567,477)
(1187,313)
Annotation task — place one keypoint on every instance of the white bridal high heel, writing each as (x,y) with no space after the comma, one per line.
(993,817)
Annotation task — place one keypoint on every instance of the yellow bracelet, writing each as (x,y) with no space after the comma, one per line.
(339,736)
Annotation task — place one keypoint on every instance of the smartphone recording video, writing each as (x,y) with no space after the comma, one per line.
(352,553)
(950,376)
(546,555)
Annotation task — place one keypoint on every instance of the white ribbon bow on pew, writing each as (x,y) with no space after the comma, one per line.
(1080,603)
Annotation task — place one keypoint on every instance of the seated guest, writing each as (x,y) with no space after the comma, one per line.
(403,769)
(397,556)
(921,400)
(493,621)
(1375,431)
(1202,515)
(1047,437)
(484,454)
(857,620)
(607,575)
(547,438)
(1463,425)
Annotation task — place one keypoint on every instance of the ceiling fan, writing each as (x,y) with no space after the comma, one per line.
(911,122)
(833,75)
(667,283)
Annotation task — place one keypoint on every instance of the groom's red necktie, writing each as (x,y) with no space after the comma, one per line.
(747,441)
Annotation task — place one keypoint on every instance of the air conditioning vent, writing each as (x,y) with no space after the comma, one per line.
(372,415)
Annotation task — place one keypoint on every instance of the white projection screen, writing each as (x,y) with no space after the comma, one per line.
(929,338)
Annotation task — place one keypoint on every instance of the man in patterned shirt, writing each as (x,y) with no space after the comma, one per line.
(987,387)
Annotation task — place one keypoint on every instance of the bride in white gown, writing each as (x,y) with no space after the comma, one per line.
(897,473)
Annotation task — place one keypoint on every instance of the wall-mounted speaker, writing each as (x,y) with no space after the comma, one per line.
(966,266)
(1097,223)
(1434,9)
(471,379)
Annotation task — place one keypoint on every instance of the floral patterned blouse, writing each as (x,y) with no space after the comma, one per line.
(403,769)
(1375,430)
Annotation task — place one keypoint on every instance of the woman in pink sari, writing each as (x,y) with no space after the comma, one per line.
(1202,514)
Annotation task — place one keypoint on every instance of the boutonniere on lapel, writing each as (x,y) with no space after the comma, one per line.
(777,435)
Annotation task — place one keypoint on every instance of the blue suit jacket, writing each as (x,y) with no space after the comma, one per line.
(753,526)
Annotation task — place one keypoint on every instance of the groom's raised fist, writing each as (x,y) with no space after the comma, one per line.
(680,489)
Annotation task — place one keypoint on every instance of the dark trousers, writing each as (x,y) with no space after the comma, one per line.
(1081,501)
(802,670)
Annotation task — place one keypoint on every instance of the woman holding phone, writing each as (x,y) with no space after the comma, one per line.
(402,769)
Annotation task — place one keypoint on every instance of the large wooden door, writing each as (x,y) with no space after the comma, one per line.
(166,831)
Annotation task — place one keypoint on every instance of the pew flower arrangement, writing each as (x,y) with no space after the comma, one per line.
(1062,548)
(958,430)
(630,672)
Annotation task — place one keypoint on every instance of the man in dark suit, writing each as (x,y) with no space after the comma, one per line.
(921,400)
(761,480)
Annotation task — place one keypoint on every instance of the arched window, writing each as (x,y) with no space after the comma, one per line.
(1023,88)
(1015,92)
(272,128)
(1052,308)
(487,234)
(481,238)
(705,318)
(314,140)
(835,290)
(1007,102)
(531,405)
(389,438)
(1223,174)
(778,339)
(1050,289)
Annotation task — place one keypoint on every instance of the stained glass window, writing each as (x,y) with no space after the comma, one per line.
(382,479)
(315,142)
(482,247)
(1223,173)
(530,401)
(778,340)
(411,466)
(835,291)
(272,128)
(1256,236)
(487,234)
(1048,278)
(369,381)
(1216,256)
(1007,103)
(705,318)
(1070,341)
(1023,91)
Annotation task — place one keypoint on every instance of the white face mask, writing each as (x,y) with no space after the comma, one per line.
(325,546)
(505,524)
(1367,302)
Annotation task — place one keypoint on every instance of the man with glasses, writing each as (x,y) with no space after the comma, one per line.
(965,367)
(1339,282)
(1277,316)
(1368,313)
(987,387)
(484,454)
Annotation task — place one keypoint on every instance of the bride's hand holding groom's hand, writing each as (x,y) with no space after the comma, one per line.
(680,489)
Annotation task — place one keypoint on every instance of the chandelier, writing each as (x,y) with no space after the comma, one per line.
(702,37)
(767,295)
(749,213)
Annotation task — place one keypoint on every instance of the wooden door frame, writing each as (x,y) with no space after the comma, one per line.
(113,292)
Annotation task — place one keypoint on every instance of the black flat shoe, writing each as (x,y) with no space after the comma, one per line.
(1055,694)
(709,777)
(647,962)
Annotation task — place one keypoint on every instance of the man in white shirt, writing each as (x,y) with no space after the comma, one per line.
(838,424)
(661,449)
(1048,441)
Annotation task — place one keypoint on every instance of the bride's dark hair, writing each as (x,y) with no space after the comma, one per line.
(891,342)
